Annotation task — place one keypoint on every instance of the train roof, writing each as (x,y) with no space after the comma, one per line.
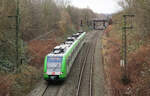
(62,48)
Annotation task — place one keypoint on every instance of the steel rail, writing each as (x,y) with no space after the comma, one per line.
(45,91)
(48,86)
(91,71)
(81,72)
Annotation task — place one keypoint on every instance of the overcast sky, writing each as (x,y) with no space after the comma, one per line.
(99,6)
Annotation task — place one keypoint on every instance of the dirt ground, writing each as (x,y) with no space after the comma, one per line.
(92,52)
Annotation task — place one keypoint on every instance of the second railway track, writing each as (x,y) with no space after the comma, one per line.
(87,61)
(81,73)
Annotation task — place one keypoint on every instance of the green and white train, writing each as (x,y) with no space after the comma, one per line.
(58,63)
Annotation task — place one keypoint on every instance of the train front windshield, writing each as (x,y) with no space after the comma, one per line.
(54,64)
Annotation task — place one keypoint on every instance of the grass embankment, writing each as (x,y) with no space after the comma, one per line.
(21,83)
(138,66)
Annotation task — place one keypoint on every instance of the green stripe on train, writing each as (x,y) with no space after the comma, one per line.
(45,68)
(64,67)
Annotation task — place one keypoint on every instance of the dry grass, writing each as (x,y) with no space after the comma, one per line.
(38,50)
(21,83)
(138,68)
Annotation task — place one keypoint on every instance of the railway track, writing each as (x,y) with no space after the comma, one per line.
(44,90)
(90,51)
(81,74)
(91,73)
(51,90)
